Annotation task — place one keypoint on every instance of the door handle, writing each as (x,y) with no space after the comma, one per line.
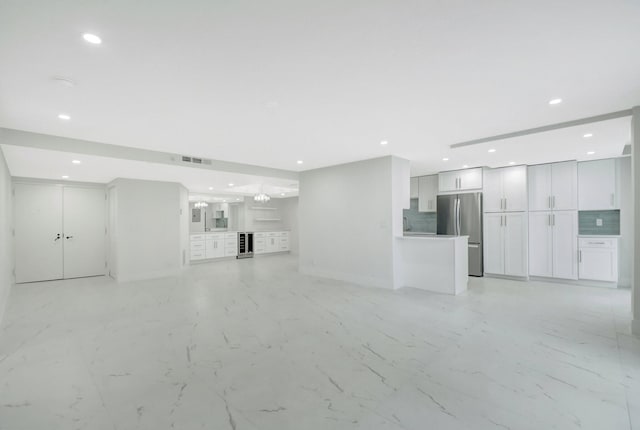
(553,205)
(505,203)
(57,237)
(549,219)
(580,256)
(69,237)
(553,217)
(505,220)
(549,202)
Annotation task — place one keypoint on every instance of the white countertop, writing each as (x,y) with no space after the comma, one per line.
(432,237)
(600,235)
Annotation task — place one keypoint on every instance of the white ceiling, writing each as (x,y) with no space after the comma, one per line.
(272,82)
(41,163)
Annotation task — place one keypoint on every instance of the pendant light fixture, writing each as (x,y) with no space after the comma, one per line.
(261,197)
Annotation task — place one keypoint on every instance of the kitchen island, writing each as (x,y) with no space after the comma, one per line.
(435,263)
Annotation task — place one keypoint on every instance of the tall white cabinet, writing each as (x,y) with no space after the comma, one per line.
(505,221)
(598,185)
(553,220)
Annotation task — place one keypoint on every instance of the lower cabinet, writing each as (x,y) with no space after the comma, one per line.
(272,241)
(505,244)
(214,245)
(553,245)
(598,259)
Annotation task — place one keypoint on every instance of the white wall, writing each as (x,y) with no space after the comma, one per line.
(185,220)
(626,223)
(348,216)
(251,214)
(6,242)
(290,220)
(148,234)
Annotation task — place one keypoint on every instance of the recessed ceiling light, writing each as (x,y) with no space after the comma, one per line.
(65,177)
(445,159)
(512,162)
(230,184)
(492,150)
(238,199)
(224,200)
(64,116)
(92,38)
(591,152)
(465,166)
(282,194)
(555,101)
(588,135)
(76,161)
(210,188)
(299,161)
(384,142)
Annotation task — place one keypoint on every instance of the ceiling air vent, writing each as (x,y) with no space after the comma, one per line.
(195,160)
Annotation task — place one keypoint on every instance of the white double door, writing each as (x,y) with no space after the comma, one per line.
(59,232)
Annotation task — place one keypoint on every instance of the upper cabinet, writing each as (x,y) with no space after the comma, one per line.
(413,188)
(427,193)
(460,180)
(505,189)
(553,186)
(597,185)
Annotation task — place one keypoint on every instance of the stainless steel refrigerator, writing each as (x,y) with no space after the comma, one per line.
(461,215)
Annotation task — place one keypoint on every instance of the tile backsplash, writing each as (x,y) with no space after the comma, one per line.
(588,222)
(419,221)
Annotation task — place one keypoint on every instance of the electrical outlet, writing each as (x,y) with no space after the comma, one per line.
(598,222)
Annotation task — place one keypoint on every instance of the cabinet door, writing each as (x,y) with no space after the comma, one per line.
(210,248)
(565,244)
(273,244)
(514,186)
(413,188)
(493,192)
(515,244)
(564,186)
(218,247)
(539,184)
(470,179)
(598,264)
(597,185)
(540,244)
(428,192)
(448,181)
(494,243)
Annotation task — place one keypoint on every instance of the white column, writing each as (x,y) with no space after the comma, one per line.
(635,190)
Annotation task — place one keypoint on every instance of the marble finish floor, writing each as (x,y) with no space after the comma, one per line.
(254,345)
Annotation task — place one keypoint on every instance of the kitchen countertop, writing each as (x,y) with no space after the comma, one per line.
(431,236)
(599,235)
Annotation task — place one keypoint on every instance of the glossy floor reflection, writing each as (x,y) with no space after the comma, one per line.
(252,344)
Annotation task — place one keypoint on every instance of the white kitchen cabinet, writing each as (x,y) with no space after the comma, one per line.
(505,244)
(413,187)
(427,193)
(598,185)
(493,243)
(259,243)
(273,243)
(553,244)
(540,244)
(214,245)
(598,259)
(460,180)
(505,189)
(553,186)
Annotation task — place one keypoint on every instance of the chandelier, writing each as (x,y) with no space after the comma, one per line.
(200,205)
(261,198)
